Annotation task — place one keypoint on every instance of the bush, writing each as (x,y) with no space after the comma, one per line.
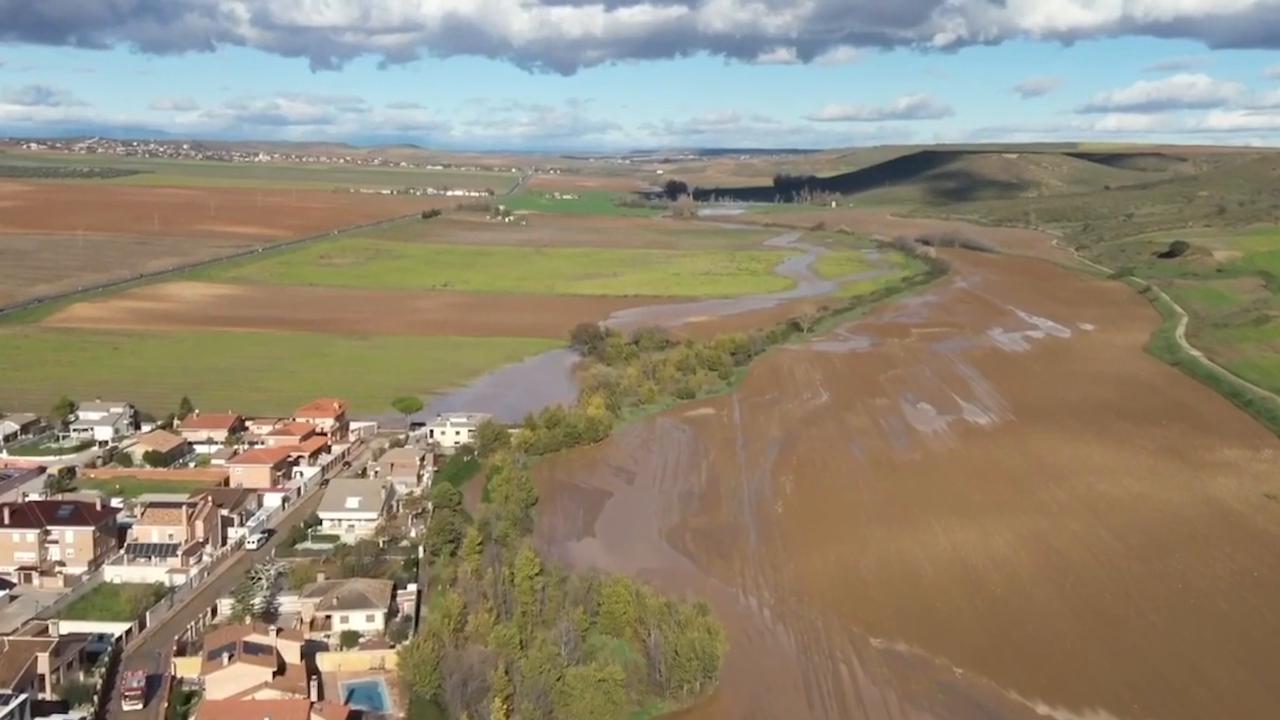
(155,459)
(348,639)
(76,693)
(123,459)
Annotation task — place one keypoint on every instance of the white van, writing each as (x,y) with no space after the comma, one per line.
(255,541)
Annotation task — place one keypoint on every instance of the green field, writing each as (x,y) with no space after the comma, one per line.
(114,602)
(132,487)
(587,203)
(197,173)
(263,373)
(364,263)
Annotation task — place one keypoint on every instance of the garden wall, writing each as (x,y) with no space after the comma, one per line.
(210,475)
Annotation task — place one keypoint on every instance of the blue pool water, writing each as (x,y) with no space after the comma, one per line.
(369,694)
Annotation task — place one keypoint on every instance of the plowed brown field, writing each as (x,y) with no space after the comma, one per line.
(199,305)
(983,501)
(59,237)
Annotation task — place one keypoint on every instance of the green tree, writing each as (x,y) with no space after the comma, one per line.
(123,459)
(348,639)
(500,691)
(244,600)
(419,664)
(63,480)
(592,692)
(491,437)
(155,459)
(618,608)
(185,407)
(527,582)
(407,405)
(62,412)
(76,693)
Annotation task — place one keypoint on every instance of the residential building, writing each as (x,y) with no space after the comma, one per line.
(352,507)
(253,661)
(172,447)
(47,537)
(175,534)
(15,706)
(309,452)
(260,468)
(451,431)
(103,422)
(279,709)
(36,659)
(288,434)
(328,415)
(18,426)
(211,428)
(360,604)
(257,427)
(235,504)
(406,468)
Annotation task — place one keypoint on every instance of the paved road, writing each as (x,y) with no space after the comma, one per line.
(152,653)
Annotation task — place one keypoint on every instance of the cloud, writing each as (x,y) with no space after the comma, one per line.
(1178,92)
(778,56)
(1038,86)
(907,107)
(174,104)
(565,35)
(839,55)
(1232,121)
(405,105)
(1272,72)
(1177,64)
(41,96)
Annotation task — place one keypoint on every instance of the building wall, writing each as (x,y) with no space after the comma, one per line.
(348,528)
(255,477)
(365,621)
(355,661)
(158,534)
(20,547)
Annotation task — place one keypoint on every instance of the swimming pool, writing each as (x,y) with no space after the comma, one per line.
(368,694)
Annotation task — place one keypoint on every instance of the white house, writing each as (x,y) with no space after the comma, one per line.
(103,422)
(453,430)
(352,507)
(360,604)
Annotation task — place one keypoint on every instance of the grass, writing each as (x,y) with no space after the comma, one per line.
(589,202)
(114,602)
(48,449)
(835,265)
(264,373)
(458,471)
(364,263)
(1164,345)
(131,487)
(197,173)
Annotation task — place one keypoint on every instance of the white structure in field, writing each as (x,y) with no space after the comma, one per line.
(451,431)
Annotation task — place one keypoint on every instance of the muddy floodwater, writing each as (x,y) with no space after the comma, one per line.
(511,392)
(984,500)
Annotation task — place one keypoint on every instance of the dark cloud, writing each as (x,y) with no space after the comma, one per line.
(41,96)
(565,35)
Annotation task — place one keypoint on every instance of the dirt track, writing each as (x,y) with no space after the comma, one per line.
(214,306)
(984,501)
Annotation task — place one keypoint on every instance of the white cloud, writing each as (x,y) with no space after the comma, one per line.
(907,107)
(1239,121)
(1272,72)
(40,96)
(566,35)
(1179,92)
(778,56)
(839,55)
(1177,64)
(1037,86)
(174,104)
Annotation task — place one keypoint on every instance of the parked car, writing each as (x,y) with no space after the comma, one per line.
(256,541)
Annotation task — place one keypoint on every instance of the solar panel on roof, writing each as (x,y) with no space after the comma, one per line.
(150,550)
(253,648)
(64,511)
(218,652)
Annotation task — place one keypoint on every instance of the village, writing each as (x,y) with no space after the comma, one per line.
(308,529)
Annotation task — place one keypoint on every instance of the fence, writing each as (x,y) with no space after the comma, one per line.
(210,475)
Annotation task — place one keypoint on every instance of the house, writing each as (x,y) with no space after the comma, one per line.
(174,534)
(42,537)
(308,452)
(281,709)
(210,428)
(172,447)
(37,659)
(360,604)
(257,427)
(453,430)
(352,507)
(328,415)
(103,422)
(287,434)
(253,661)
(260,468)
(235,504)
(18,426)
(15,706)
(405,467)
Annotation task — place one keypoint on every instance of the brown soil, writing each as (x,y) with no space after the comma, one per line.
(60,237)
(198,305)
(982,501)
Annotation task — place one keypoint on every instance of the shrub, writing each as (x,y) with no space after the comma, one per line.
(155,459)
(348,639)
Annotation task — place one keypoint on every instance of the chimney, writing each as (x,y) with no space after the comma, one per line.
(226,659)
(319,573)
(273,632)
(186,511)
(97,502)
(6,514)
(313,688)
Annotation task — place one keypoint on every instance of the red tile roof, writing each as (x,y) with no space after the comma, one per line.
(261,456)
(322,408)
(210,421)
(165,442)
(55,513)
(292,709)
(310,446)
(293,429)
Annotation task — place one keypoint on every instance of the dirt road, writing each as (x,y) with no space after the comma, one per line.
(982,501)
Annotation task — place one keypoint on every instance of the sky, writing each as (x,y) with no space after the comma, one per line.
(614,75)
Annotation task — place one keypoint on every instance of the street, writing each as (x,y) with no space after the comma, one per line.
(152,653)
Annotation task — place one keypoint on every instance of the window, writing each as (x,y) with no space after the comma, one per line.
(31,537)
(368,618)
(70,535)
(342,619)
(170,535)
